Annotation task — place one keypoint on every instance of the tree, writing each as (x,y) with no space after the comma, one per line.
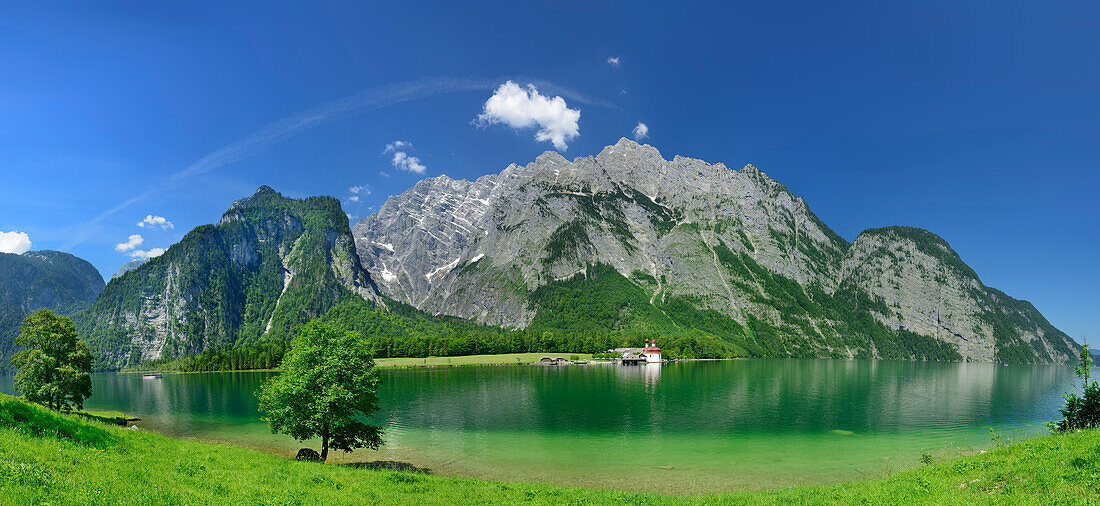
(1082,412)
(54,368)
(327,386)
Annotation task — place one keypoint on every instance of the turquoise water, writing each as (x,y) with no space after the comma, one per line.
(679,427)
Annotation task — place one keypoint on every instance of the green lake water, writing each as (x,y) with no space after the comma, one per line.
(680,427)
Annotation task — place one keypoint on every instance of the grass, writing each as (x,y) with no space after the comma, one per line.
(458,360)
(497,359)
(63,459)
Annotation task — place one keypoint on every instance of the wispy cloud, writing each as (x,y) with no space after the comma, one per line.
(14,242)
(396,146)
(358,190)
(613,61)
(572,95)
(290,126)
(641,131)
(156,221)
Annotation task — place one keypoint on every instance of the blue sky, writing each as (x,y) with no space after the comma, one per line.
(977,120)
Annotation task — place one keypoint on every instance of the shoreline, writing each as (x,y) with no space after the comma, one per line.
(120,463)
(412,362)
(488,360)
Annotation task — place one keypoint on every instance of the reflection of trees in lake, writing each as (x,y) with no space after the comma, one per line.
(726,397)
(887,396)
(181,403)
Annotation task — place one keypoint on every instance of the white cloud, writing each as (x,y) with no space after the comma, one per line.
(403,161)
(383,173)
(156,221)
(613,61)
(131,243)
(641,131)
(14,242)
(353,198)
(154,252)
(525,108)
(397,146)
(364,189)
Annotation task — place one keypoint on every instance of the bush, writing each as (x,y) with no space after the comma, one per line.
(1081,412)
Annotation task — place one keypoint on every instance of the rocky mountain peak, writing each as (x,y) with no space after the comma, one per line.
(129,266)
(688,233)
(263,194)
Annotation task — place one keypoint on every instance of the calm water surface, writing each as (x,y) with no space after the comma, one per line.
(680,427)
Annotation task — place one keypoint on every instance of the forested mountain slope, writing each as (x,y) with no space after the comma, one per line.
(269,264)
(54,280)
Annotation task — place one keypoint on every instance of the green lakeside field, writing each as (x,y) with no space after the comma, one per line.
(499,359)
(69,459)
(451,361)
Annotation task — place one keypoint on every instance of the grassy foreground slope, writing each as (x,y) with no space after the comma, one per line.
(64,459)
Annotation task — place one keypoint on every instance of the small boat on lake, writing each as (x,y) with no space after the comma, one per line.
(152,376)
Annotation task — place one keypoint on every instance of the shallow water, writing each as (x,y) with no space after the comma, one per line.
(680,427)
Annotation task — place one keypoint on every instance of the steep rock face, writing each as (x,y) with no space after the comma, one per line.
(930,291)
(698,238)
(129,266)
(53,280)
(475,249)
(269,264)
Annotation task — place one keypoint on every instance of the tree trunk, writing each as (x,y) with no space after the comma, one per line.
(324,444)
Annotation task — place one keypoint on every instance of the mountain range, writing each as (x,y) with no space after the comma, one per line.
(732,253)
(564,255)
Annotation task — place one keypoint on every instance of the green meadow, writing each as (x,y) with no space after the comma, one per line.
(501,359)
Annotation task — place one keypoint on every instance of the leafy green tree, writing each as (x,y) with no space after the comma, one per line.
(54,367)
(1082,412)
(327,386)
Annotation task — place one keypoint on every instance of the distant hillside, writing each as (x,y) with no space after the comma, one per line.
(54,280)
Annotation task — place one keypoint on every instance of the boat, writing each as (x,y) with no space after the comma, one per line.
(152,376)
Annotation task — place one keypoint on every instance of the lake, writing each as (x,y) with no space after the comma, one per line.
(684,427)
